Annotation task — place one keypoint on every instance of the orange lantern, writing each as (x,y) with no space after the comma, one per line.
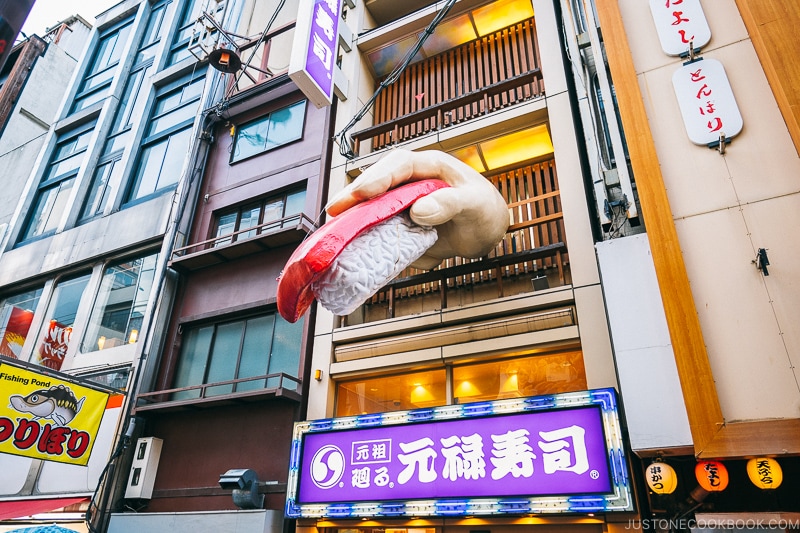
(661,478)
(765,473)
(712,475)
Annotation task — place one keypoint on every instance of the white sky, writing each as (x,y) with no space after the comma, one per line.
(47,13)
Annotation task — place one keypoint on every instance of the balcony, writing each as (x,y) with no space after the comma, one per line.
(232,246)
(256,388)
(469,81)
(532,256)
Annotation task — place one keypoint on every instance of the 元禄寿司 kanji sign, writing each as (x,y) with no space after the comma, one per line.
(528,450)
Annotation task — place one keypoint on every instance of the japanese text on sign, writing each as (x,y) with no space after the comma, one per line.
(541,453)
(678,23)
(706,101)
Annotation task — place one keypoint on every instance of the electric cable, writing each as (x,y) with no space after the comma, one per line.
(344,144)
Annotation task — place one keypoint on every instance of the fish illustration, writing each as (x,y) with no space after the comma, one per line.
(58,403)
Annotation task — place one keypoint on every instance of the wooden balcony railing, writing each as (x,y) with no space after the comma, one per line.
(534,246)
(445,113)
(481,76)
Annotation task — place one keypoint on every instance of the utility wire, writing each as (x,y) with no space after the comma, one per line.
(344,144)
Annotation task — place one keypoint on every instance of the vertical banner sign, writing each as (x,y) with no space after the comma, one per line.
(706,101)
(47,418)
(548,454)
(314,49)
(678,23)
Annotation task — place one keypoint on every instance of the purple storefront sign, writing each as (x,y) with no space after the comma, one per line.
(545,453)
(314,49)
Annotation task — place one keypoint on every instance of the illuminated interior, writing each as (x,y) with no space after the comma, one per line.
(451,33)
(510,149)
(495,380)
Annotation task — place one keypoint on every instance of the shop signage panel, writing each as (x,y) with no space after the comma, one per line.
(678,23)
(313,57)
(706,101)
(560,453)
(48,418)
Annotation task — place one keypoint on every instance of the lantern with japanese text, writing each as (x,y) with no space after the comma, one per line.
(765,473)
(661,478)
(712,475)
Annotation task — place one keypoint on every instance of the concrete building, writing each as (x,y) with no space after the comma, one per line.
(34,80)
(84,256)
(230,380)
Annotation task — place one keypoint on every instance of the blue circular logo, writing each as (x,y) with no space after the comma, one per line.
(327,466)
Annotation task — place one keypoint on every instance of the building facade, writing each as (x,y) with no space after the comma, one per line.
(228,384)
(85,253)
(34,79)
(438,381)
(572,110)
(640,309)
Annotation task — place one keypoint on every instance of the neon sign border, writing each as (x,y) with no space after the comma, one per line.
(619,500)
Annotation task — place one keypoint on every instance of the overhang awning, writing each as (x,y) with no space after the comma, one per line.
(19,508)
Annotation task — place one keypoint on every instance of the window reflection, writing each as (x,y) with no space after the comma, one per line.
(16,315)
(56,333)
(119,310)
(265,133)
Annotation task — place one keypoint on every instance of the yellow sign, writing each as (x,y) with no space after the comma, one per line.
(48,418)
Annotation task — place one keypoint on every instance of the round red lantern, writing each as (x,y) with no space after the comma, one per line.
(765,473)
(712,475)
(661,478)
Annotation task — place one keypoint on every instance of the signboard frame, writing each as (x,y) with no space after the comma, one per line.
(48,415)
(316,42)
(616,498)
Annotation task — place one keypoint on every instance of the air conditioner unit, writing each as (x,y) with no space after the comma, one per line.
(143,469)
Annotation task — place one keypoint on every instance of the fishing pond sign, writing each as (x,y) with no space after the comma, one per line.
(47,418)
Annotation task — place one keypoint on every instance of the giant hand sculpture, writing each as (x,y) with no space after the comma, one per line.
(370,239)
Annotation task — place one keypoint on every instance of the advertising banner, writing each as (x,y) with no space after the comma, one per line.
(560,453)
(316,40)
(48,418)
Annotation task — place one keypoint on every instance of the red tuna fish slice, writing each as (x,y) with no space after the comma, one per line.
(316,254)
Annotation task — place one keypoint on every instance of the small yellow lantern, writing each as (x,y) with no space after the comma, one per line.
(712,475)
(661,478)
(765,473)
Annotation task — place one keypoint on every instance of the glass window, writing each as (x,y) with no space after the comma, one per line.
(107,175)
(516,378)
(413,390)
(276,129)
(168,137)
(16,315)
(231,226)
(56,333)
(50,201)
(118,312)
(154,32)
(247,348)
(192,9)
(105,59)
(494,380)
(117,378)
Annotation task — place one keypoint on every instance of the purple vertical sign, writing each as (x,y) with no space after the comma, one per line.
(561,452)
(314,49)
